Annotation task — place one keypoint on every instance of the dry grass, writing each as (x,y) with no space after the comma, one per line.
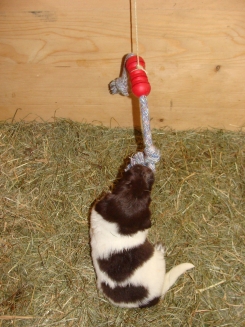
(50,175)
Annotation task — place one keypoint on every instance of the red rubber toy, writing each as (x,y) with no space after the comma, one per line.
(139,81)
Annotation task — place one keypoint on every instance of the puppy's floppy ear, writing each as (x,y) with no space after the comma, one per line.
(146,224)
(101,205)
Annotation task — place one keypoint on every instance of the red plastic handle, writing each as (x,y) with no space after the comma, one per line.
(139,81)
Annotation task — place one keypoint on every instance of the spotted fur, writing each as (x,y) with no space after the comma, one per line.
(130,271)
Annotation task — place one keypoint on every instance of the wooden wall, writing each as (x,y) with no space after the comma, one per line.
(58,56)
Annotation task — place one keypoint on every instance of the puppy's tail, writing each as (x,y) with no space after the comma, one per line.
(171,276)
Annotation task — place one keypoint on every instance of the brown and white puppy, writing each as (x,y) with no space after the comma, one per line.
(130,271)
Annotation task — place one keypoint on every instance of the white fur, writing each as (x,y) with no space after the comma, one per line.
(105,237)
(105,240)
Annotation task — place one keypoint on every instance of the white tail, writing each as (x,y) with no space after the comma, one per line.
(172,275)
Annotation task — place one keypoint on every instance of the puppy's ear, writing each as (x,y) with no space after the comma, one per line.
(146,224)
(101,206)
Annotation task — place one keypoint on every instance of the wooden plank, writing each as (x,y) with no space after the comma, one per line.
(10,5)
(45,84)
(178,118)
(30,39)
(59,56)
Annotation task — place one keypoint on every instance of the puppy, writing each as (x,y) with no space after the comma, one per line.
(130,271)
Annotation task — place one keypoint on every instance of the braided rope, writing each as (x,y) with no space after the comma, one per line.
(151,154)
(120,84)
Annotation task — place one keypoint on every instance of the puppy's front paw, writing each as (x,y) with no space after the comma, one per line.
(160,247)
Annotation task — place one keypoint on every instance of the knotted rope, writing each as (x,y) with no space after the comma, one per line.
(120,84)
(151,154)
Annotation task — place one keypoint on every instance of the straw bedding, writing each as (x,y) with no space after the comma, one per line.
(50,175)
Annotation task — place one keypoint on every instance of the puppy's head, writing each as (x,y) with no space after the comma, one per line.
(136,182)
(128,204)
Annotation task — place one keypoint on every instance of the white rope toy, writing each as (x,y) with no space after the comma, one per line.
(134,67)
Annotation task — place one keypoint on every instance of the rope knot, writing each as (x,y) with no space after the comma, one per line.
(119,86)
(152,154)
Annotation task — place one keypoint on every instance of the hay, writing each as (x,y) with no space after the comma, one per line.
(50,175)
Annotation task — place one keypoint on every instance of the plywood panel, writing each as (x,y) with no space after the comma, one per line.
(57,58)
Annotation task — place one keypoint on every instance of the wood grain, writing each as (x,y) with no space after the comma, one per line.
(57,58)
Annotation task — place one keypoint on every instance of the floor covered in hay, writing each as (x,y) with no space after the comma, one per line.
(50,175)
